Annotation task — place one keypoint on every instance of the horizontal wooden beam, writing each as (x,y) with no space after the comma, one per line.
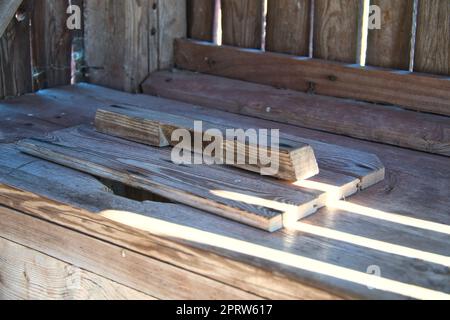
(8,9)
(295,160)
(386,124)
(415,91)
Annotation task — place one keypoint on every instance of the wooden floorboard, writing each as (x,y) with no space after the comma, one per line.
(217,189)
(409,209)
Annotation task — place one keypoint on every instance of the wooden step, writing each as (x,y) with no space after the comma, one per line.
(386,124)
(229,192)
(292,161)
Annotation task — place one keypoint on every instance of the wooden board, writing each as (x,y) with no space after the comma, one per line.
(8,9)
(15,64)
(242,23)
(390,46)
(408,210)
(433,31)
(414,91)
(336,30)
(288,26)
(52,44)
(200,19)
(73,188)
(361,120)
(266,205)
(294,160)
(30,275)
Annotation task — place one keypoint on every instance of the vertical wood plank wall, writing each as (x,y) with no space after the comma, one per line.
(15,62)
(336,30)
(242,23)
(126,40)
(433,37)
(200,19)
(288,26)
(51,44)
(390,46)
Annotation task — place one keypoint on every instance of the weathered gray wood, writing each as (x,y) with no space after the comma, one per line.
(8,9)
(412,90)
(295,161)
(15,62)
(216,189)
(30,275)
(52,44)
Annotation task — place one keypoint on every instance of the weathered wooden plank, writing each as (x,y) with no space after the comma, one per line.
(295,161)
(390,46)
(63,185)
(122,59)
(172,25)
(150,276)
(411,90)
(200,19)
(336,29)
(15,62)
(242,23)
(356,119)
(433,34)
(266,205)
(288,26)
(8,9)
(30,275)
(51,44)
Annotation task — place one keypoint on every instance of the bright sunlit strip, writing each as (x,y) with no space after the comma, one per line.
(164,228)
(372,244)
(392,217)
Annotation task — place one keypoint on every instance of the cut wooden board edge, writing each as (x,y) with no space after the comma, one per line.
(42,149)
(153,128)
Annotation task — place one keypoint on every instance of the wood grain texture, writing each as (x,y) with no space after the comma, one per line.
(295,161)
(336,30)
(51,44)
(265,205)
(390,46)
(200,19)
(117,35)
(242,23)
(433,32)
(411,90)
(397,211)
(288,26)
(150,276)
(63,185)
(15,62)
(8,9)
(30,275)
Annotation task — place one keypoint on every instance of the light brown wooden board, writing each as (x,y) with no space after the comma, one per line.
(200,19)
(8,9)
(411,90)
(404,128)
(433,34)
(417,186)
(30,275)
(216,189)
(84,191)
(390,46)
(242,23)
(15,63)
(336,29)
(52,44)
(288,26)
(294,160)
